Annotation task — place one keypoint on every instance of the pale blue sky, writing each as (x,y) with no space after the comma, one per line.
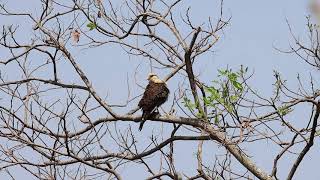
(256,28)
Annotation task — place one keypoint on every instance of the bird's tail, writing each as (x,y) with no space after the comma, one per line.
(143,120)
(141,124)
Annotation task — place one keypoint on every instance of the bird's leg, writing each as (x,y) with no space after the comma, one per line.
(154,110)
(154,113)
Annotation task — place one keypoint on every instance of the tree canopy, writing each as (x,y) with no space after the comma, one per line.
(73,72)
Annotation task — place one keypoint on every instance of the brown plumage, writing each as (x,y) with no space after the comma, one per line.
(155,95)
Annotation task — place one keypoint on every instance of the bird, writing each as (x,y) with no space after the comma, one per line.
(155,94)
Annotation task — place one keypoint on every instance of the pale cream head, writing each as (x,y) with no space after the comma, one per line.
(154,78)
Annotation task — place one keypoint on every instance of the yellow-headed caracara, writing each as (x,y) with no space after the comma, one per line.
(155,94)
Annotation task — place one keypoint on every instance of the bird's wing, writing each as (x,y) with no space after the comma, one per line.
(153,93)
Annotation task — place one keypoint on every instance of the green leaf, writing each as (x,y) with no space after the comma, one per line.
(214,95)
(91,26)
(234,98)
(284,110)
(237,85)
(206,101)
(216,120)
(222,72)
(200,115)
(225,92)
(229,107)
(188,104)
(232,77)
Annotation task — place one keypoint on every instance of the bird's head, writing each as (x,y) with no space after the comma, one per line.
(154,78)
(151,75)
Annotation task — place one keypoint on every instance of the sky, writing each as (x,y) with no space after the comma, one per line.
(256,29)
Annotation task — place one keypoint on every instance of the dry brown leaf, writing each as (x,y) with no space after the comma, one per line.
(76,36)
